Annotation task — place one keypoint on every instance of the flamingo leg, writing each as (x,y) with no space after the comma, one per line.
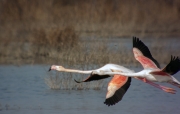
(175,84)
(144,80)
(164,88)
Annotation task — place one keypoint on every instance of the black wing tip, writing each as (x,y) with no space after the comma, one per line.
(118,95)
(77,81)
(175,59)
(115,98)
(108,103)
(174,65)
(49,69)
(135,38)
(137,42)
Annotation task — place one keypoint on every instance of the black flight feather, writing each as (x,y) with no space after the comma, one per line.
(118,95)
(144,49)
(173,67)
(93,78)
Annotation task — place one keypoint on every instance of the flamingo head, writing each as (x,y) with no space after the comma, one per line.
(55,67)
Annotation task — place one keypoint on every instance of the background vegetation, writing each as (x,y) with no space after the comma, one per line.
(39,31)
(77,33)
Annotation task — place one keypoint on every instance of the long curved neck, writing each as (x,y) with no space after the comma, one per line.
(77,71)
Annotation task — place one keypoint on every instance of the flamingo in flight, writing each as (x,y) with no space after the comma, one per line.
(117,86)
(151,72)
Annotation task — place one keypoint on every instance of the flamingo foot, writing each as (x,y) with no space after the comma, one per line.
(164,88)
(175,84)
(169,90)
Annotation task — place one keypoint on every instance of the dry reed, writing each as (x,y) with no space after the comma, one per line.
(91,17)
(52,32)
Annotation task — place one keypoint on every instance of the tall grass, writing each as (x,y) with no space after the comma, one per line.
(70,33)
(91,17)
(50,32)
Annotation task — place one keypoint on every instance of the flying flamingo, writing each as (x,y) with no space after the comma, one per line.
(152,72)
(117,86)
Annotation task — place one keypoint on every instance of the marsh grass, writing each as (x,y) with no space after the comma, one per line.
(55,38)
(20,18)
(52,32)
(86,54)
(45,49)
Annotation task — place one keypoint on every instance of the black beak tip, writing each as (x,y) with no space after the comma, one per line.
(77,81)
(49,69)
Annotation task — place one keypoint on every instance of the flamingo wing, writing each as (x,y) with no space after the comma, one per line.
(143,55)
(117,87)
(93,78)
(173,67)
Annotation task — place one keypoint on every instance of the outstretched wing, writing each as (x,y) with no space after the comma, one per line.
(117,87)
(173,67)
(143,55)
(93,78)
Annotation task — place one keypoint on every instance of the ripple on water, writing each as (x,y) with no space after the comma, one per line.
(26,92)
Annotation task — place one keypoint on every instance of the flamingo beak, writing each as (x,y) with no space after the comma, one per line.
(49,69)
(53,67)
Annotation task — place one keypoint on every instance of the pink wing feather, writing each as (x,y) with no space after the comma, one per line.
(117,87)
(143,55)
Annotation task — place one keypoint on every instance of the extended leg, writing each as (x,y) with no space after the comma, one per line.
(164,88)
(175,84)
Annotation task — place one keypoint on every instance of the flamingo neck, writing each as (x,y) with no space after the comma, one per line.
(138,74)
(76,71)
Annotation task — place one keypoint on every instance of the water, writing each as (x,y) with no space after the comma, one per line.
(23,91)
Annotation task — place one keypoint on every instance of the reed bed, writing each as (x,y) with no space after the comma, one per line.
(66,47)
(19,18)
(80,33)
(84,54)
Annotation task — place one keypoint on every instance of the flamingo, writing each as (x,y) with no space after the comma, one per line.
(117,86)
(151,72)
